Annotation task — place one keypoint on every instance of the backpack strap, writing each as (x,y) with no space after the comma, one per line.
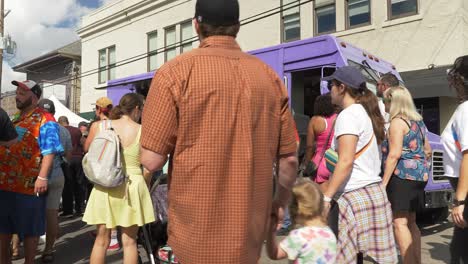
(360,152)
(106,124)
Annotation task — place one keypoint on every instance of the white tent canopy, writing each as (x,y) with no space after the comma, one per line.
(61,110)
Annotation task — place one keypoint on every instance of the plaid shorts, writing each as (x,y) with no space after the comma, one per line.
(365,225)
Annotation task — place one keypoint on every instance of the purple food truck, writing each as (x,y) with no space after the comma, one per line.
(303,64)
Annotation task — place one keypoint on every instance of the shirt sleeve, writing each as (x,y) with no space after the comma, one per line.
(347,123)
(460,128)
(292,245)
(49,139)
(159,121)
(8,131)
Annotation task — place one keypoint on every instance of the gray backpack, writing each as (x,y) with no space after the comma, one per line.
(102,164)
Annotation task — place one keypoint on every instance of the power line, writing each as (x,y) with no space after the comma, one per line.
(145,55)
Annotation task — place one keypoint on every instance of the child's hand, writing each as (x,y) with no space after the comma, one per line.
(273,223)
(277,212)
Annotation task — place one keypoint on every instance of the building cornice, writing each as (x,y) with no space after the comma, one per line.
(125,14)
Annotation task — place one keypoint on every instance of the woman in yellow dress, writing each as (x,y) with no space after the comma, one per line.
(128,205)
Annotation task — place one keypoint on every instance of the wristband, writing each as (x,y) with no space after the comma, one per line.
(40,178)
(327,199)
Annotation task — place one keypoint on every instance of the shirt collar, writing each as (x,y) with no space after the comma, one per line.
(223,42)
(19,116)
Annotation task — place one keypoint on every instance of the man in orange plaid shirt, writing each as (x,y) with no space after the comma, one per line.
(223,117)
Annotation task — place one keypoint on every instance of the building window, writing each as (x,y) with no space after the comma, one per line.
(186,36)
(106,64)
(152,51)
(170,41)
(325,16)
(290,20)
(402,8)
(358,13)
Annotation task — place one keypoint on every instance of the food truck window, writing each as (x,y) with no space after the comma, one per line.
(371,75)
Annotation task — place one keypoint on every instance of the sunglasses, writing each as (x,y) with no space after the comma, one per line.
(387,100)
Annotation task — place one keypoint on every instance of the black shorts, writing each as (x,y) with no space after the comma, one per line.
(405,195)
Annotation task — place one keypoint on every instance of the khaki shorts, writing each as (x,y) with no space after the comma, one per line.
(55,188)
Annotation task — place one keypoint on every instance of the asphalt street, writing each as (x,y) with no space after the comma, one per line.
(75,243)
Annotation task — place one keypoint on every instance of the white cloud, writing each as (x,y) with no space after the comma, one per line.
(39,27)
(8,76)
(105,2)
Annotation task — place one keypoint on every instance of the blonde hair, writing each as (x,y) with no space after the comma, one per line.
(307,202)
(402,103)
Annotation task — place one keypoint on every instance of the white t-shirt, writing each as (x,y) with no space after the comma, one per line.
(366,168)
(385,115)
(455,140)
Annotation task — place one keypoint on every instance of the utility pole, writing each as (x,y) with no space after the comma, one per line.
(2,24)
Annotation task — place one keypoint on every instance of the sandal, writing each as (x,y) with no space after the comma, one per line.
(47,257)
(15,256)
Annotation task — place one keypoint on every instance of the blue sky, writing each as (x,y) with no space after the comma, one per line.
(90,3)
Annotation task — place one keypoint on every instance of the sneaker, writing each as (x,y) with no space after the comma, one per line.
(66,214)
(78,214)
(42,239)
(114,245)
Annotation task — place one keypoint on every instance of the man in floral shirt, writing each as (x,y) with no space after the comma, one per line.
(24,170)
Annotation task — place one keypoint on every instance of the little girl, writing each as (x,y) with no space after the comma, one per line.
(313,241)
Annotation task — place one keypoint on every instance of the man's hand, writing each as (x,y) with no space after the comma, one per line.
(40,186)
(457,216)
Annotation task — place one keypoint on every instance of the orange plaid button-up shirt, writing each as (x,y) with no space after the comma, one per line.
(223,117)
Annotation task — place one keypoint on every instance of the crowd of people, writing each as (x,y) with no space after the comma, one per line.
(221,118)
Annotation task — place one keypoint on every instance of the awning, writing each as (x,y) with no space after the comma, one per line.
(88,115)
(428,82)
(130,79)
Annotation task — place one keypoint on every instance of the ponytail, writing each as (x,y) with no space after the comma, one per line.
(369,101)
(116,113)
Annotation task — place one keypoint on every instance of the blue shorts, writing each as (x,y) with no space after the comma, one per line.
(22,214)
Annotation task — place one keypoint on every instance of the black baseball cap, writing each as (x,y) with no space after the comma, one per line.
(349,75)
(47,105)
(217,12)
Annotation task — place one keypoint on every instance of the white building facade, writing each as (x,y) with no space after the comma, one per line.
(420,37)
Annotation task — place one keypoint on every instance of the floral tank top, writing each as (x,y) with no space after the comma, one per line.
(412,164)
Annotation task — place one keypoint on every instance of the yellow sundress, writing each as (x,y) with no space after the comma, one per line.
(124,205)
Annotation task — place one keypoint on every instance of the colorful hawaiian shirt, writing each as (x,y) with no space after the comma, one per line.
(412,164)
(38,136)
(310,245)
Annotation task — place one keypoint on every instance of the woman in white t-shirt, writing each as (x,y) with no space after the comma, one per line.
(365,216)
(455,141)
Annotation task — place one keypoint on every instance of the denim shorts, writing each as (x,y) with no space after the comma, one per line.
(55,188)
(22,214)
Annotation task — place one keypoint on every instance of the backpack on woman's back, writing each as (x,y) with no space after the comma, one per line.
(102,164)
